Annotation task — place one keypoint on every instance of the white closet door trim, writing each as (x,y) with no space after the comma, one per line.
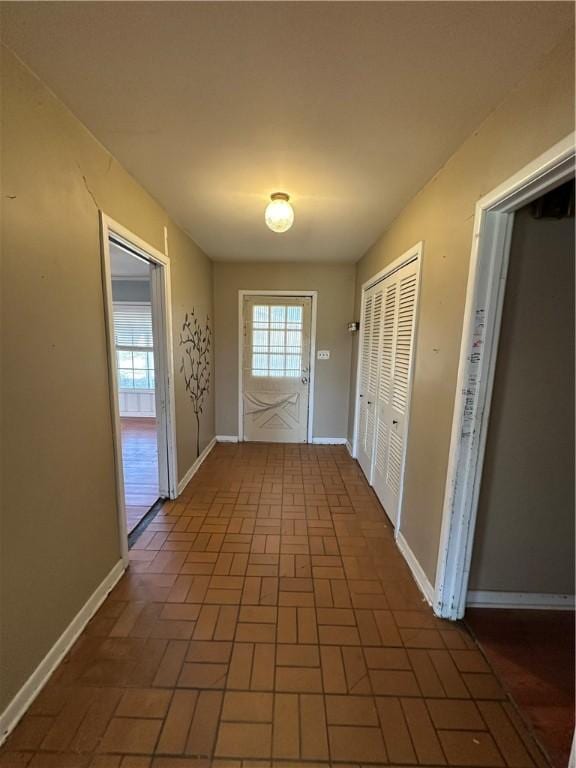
(314,295)
(416,253)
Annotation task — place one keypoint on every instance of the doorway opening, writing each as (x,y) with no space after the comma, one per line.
(135,365)
(506,557)
(491,242)
(137,283)
(520,602)
(277,331)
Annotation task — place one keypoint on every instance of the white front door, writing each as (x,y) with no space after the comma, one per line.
(396,351)
(276,368)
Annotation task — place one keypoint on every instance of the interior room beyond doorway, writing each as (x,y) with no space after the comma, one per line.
(134,342)
(523,555)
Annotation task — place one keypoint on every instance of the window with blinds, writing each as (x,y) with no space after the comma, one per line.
(277,341)
(134,345)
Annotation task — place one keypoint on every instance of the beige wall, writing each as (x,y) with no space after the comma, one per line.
(335,286)
(192,288)
(524,538)
(59,532)
(537,114)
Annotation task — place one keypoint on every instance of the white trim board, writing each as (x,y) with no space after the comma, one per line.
(196,466)
(417,571)
(349,448)
(38,679)
(314,296)
(315,440)
(488,269)
(525,600)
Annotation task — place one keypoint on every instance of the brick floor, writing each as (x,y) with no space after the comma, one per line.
(268,619)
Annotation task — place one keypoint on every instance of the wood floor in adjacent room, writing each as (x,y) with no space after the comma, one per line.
(140,465)
(533,652)
(268,618)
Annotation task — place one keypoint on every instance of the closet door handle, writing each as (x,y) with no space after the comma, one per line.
(394,421)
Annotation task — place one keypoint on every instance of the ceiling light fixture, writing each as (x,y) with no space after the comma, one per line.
(279,215)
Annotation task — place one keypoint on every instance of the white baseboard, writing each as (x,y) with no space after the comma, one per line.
(419,576)
(526,600)
(349,448)
(315,440)
(196,466)
(38,679)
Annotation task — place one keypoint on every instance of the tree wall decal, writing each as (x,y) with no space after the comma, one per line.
(196,342)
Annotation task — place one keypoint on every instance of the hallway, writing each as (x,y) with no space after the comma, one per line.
(268,614)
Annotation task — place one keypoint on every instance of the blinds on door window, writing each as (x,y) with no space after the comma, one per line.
(277,341)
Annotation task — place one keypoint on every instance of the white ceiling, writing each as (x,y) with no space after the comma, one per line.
(348,107)
(124,265)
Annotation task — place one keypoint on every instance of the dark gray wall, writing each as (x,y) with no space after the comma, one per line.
(525,533)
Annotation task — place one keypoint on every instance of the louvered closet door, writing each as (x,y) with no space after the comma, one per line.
(397,344)
(370,350)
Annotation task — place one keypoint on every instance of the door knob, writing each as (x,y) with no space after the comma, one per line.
(304,380)
(394,421)
(369,402)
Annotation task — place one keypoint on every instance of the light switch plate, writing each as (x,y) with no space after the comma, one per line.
(323,354)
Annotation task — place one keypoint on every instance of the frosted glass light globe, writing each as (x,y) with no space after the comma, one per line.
(279,215)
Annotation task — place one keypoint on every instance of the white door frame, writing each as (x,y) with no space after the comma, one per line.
(165,399)
(306,294)
(481,330)
(416,253)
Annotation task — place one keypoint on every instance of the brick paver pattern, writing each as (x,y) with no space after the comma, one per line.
(268,618)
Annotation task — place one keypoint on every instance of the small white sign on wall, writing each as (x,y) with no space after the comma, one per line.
(323,354)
